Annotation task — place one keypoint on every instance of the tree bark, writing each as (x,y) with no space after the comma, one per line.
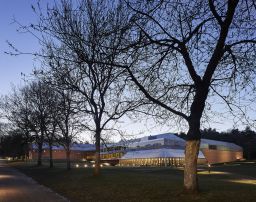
(97,154)
(193,140)
(190,170)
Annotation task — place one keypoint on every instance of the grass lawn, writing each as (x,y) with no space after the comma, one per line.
(231,182)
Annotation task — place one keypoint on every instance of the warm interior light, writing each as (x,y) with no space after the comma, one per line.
(212,173)
(244,181)
(5,176)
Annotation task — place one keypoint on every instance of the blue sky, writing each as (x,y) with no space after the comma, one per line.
(12,66)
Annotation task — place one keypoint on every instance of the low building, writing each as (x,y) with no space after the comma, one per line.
(220,152)
(168,150)
(157,157)
(158,150)
(78,152)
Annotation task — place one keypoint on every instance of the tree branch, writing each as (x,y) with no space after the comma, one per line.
(152,99)
(214,12)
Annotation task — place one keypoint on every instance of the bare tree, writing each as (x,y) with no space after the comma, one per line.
(51,132)
(15,107)
(182,52)
(44,114)
(76,39)
(40,101)
(68,122)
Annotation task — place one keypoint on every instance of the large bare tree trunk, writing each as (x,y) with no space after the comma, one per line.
(190,170)
(193,141)
(197,107)
(97,154)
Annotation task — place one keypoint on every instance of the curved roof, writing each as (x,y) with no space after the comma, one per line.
(221,145)
(170,136)
(161,139)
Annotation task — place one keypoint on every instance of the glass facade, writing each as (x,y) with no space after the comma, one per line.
(157,162)
(152,162)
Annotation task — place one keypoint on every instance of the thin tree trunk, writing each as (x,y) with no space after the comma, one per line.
(40,146)
(68,159)
(97,155)
(27,155)
(51,160)
(190,170)
(39,153)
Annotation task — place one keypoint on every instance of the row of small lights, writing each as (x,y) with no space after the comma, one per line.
(77,165)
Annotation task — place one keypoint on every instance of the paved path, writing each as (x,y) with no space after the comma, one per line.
(17,187)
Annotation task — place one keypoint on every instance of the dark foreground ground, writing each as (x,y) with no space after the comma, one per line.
(230,182)
(17,187)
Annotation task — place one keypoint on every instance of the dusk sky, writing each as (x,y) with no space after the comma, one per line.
(12,66)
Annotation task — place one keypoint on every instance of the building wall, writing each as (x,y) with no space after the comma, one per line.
(61,154)
(221,156)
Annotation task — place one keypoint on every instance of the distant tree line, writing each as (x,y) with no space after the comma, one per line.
(14,145)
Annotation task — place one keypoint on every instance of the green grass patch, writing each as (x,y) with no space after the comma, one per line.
(231,182)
